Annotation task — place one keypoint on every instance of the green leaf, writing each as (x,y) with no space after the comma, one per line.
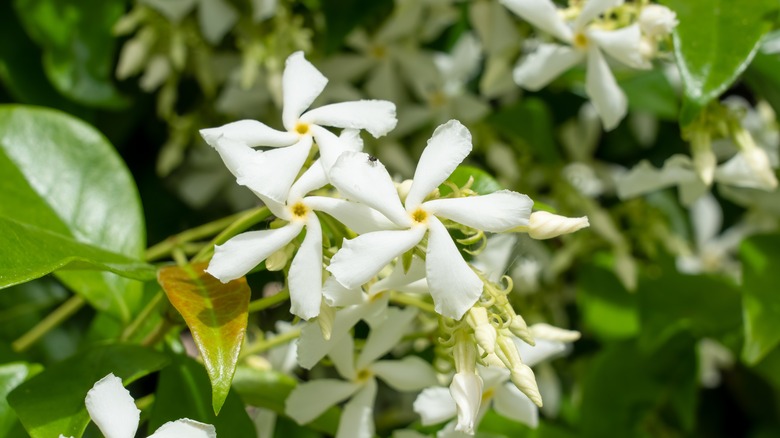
(670,302)
(651,92)
(11,376)
(78,46)
(608,309)
(760,299)
(714,43)
(216,314)
(484,183)
(61,175)
(52,403)
(530,124)
(762,76)
(183,391)
(269,389)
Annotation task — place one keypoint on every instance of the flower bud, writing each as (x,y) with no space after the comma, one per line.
(657,21)
(758,161)
(277,261)
(325,320)
(544,225)
(704,160)
(484,332)
(519,328)
(466,390)
(552,333)
(523,378)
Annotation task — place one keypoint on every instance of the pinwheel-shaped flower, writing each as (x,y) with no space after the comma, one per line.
(243,252)
(276,169)
(453,284)
(113,411)
(309,400)
(583,41)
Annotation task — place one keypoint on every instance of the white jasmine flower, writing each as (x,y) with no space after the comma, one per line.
(657,21)
(453,284)
(112,409)
(309,400)
(713,357)
(239,255)
(583,42)
(274,171)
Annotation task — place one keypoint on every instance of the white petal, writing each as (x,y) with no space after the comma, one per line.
(408,374)
(112,408)
(512,403)
(343,356)
(312,179)
(603,90)
(542,66)
(496,212)
(185,428)
(446,149)
(550,389)
(453,285)
(542,351)
(337,295)
(239,255)
(330,146)
(398,278)
(305,277)
(542,14)
(357,419)
(309,400)
(301,84)
(644,178)
(386,335)
(250,132)
(361,258)
(234,154)
(706,218)
(435,405)
(363,179)
(622,44)
(273,172)
(358,217)
(375,116)
(748,168)
(592,9)
(466,390)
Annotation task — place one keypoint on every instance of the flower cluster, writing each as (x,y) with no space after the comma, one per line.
(407,225)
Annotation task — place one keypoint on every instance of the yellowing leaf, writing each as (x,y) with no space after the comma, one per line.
(216,314)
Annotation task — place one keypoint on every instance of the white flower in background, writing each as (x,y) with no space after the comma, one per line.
(500,40)
(436,405)
(453,284)
(584,41)
(240,254)
(112,409)
(713,357)
(275,170)
(657,21)
(309,400)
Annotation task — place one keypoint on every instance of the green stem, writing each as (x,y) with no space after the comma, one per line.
(158,333)
(409,300)
(200,232)
(268,344)
(246,220)
(52,320)
(142,316)
(264,303)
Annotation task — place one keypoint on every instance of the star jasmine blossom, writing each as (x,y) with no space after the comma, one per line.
(453,284)
(275,170)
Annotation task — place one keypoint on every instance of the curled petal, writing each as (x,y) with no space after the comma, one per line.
(511,403)
(466,390)
(546,63)
(446,149)
(239,255)
(408,374)
(622,44)
(309,400)
(375,116)
(497,212)
(301,84)
(544,225)
(357,420)
(273,172)
(361,258)
(542,14)
(305,277)
(453,285)
(358,217)
(608,99)
(363,179)
(250,132)
(185,428)
(434,405)
(112,408)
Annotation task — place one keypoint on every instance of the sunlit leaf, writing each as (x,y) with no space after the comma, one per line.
(52,402)
(761,258)
(216,314)
(483,183)
(11,376)
(63,176)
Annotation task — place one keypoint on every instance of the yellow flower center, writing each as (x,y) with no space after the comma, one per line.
(363,375)
(488,394)
(378,52)
(420,216)
(580,41)
(437,99)
(299,210)
(302,128)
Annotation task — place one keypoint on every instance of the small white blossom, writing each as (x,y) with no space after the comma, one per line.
(657,21)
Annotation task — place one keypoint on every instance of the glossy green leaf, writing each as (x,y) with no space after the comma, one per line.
(12,375)
(183,391)
(269,389)
(671,302)
(652,93)
(609,311)
(216,314)
(61,175)
(760,300)
(52,402)
(714,43)
(762,76)
(483,184)
(78,46)
(530,124)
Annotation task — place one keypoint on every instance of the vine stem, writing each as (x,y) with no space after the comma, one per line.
(244,221)
(209,229)
(55,318)
(264,303)
(409,300)
(265,345)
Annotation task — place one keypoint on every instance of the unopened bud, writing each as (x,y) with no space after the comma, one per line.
(523,378)
(464,353)
(544,225)
(466,391)
(758,161)
(325,320)
(403,189)
(277,261)
(484,332)
(519,328)
(552,333)
(657,20)
(704,159)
